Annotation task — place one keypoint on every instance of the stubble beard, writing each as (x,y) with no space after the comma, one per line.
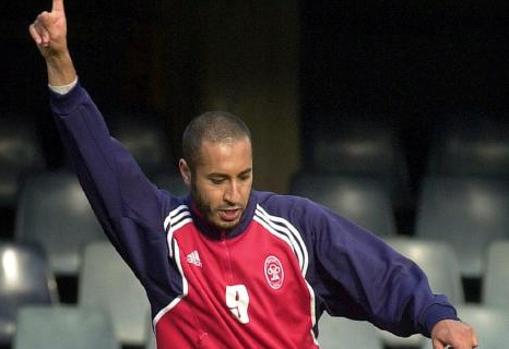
(208,212)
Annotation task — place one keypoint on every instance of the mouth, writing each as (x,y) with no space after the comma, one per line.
(230,214)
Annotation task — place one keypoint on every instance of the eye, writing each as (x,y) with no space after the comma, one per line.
(216,180)
(244,177)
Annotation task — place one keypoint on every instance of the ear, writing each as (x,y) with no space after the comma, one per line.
(185,172)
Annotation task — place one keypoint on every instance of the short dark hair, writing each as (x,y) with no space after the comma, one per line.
(212,126)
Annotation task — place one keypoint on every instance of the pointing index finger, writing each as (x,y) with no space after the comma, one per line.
(58,5)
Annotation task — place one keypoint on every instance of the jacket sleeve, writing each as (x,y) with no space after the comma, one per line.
(127,205)
(360,277)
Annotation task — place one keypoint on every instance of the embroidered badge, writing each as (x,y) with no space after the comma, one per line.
(274,273)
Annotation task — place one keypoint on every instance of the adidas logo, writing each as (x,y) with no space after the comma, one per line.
(194,258)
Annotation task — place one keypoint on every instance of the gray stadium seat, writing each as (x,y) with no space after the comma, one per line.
(64,327)
(467,213)
(365,201)
(54,212)
(24,279)
(477,145)
(145,140)
(357,146)
(339,333)
(438,260)
(496,280)
(150,340)
(490,324)
(172,183)
(20,154)
(108,283)
(440,264)
(360,146)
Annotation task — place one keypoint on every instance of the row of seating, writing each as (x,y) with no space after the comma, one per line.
(467,146)
(22,154)
(491,326)
(63,327)
(467,213)
(105,282)
(439,262)
(490,319)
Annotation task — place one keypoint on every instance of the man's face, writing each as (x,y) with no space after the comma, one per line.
(222,180)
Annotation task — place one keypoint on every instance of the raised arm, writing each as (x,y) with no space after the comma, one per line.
(129,207)
(49,31)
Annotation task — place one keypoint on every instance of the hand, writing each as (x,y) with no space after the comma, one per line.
(49,31)
(454,333)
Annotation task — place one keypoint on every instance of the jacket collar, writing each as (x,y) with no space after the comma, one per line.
(213,232)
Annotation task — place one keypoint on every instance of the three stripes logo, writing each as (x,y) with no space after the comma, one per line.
(194,258)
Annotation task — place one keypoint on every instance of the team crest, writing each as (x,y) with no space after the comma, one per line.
(274,273)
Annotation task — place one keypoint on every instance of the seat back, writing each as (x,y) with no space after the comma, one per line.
(496,280)
(62,327)
(363,200)
(54,212)
(473,145)
(20,154)
(439,263)
(467,213)
(107,282)
(339,333)
(145,139)
(25,278)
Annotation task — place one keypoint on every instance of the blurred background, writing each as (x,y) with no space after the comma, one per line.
(393,113)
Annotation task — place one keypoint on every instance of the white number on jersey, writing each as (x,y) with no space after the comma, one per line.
(237,300)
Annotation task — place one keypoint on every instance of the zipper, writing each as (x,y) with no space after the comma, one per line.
(228,262)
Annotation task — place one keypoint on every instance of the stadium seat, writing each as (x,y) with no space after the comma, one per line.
(471,145)
(64,327)
(145,140)
(467,213)
(339,333)
(496,280)
(440,264)
(438,260)
(54,212)
(173,183)
(20,154)
(491,325)
(365,201)
(360,146)
(107,282)
(24,279)
(150,340)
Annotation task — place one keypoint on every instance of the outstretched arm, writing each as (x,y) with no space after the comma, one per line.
(49,31)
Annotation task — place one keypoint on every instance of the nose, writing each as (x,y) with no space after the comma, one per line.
(232,192)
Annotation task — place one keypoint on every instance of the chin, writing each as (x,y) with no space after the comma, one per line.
(226,225)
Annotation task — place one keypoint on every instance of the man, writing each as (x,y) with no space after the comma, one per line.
(230,267)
